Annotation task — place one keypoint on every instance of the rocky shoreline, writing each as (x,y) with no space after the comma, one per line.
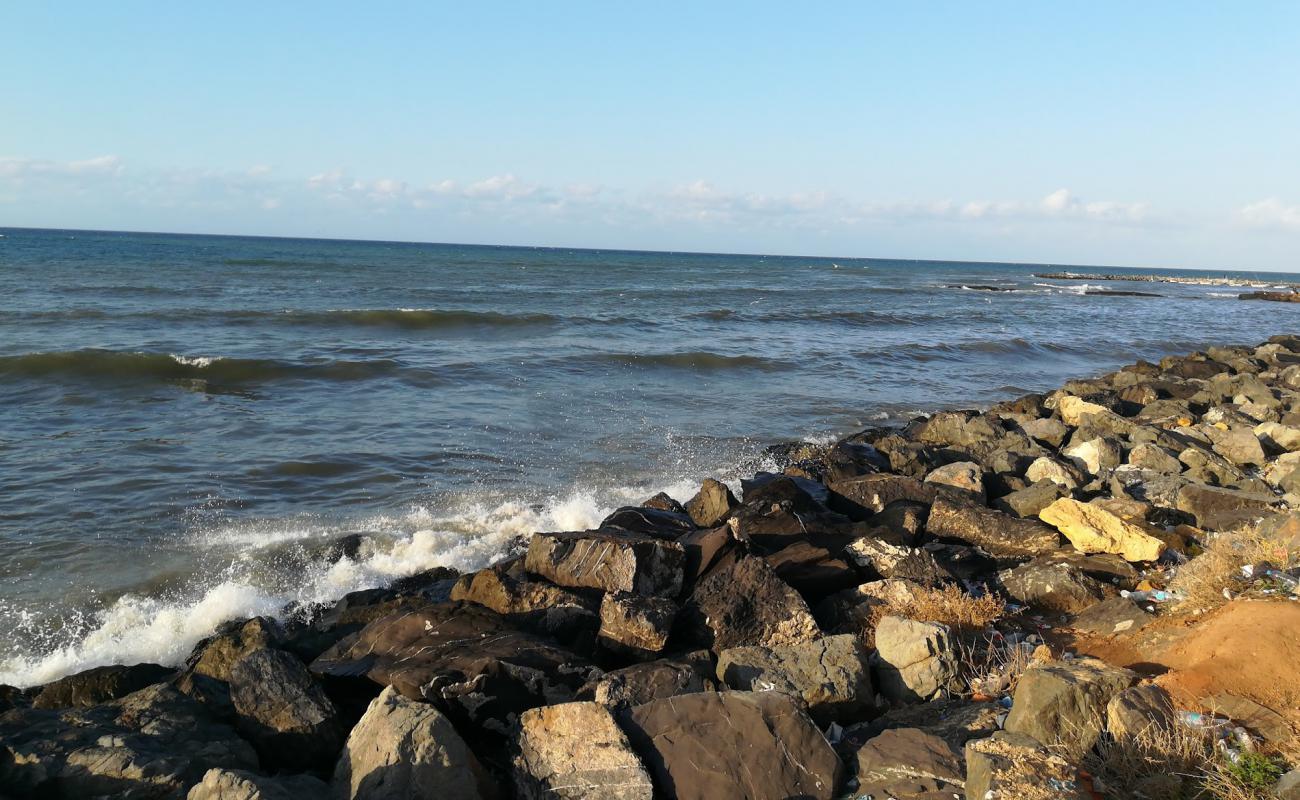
(1085,593)
(1187,280)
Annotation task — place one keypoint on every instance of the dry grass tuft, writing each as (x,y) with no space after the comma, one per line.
(1202,579)
(966,615)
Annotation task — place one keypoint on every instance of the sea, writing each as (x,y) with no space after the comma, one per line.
(187,423)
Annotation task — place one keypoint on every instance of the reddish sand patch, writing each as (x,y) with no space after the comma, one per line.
(1250,648)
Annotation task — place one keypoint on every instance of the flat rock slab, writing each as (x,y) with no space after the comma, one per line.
(1219,509)
(830,676)
(652,680)
(404,748)
(612,561)
(757,745)
(462,656)
(1116,616)
(1055,586)
(1000,535)
(576,750)
(539,606)
(910,764)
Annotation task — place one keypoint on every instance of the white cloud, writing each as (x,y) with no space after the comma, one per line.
(39,167)
(1270,213)
(259,171)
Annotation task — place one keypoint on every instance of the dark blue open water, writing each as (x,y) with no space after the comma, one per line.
(185,420)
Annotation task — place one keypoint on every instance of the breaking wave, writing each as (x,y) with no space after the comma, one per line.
(116,366)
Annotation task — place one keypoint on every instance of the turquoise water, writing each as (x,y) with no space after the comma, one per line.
(186,421)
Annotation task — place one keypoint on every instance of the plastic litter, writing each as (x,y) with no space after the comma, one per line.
(1151,596)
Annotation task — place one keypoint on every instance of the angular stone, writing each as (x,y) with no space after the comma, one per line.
(232,784)
(829,676)
(960,428)
(1064,703)
(965,477)
(652,680)
(860,497)
(216,655)
(712,504)
(1139,708)
(1220,509)
(462,656)
(909,764)
(1095,456)
(895,561)
(851,610)
(917,660)
(1054,586)
(1027,502)
(747,604)
(1092,529)
(100,684)
(1238,446)
(1277,437)
(576,750)
(1112,617)
(1048,469)
(630,623)
(955,720)
(612,561)
(1046,430)
(282,711)
(1259,720)
(538,606)
(1010,765)
(404,748)
(811,570)
(1155,458)
(1001,535)
(652,521)
(757,745)
(154,743)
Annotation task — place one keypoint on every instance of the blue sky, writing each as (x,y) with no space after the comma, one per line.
(1160,134)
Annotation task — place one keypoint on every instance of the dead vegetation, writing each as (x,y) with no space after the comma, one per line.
(1201,580)
(967,616)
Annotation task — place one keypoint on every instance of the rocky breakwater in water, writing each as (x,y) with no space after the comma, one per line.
(1065,595)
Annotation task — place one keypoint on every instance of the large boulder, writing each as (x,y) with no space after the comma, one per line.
(812,571)
(1063,704)
(1239,446)
(234,784)
(1093,529)
(909,764)
(652,680)
(917,660)
(154,743)
(576,750)
(890,560)
(745,603)
(1049,584)
(830,676)
(538,606)
(283,712)
(758,745)
(402,748)
(860,497)
(1095,456)
(215,656)
(461,656)
(612,561)
(100,684)
(1138,709)
(660,523)
(1221,509)
(964,478)
(1027,502)
(636,625)
(712,504)
(1011,765)
(1000,535)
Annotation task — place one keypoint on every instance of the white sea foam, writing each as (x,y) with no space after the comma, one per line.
(467,535)
(194,361)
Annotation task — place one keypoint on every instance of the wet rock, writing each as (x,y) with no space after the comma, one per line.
(652,680)
(636,625)
(403,748)
(612,561)
(712,504)
(798,495)
(651,521)
(1054,586)
(859,498)
(100,684)
(282,711)
(747,604)
(812,571)
(917,660)
(1026,503)
(218,654)
(1220,509)
(154,743)
(758,745)
(232,784)
(663,502)
(537,606)
(1007,765)
(1092,529)
(829,676)
(1049,469)
(13,697)
(1111,617)
(464,657)
(965,477)
(910,764)
(1139,708)
(997,533)
(1063,703)
(576,750)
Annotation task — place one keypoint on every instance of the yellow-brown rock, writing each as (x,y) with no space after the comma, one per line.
(1093,529)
